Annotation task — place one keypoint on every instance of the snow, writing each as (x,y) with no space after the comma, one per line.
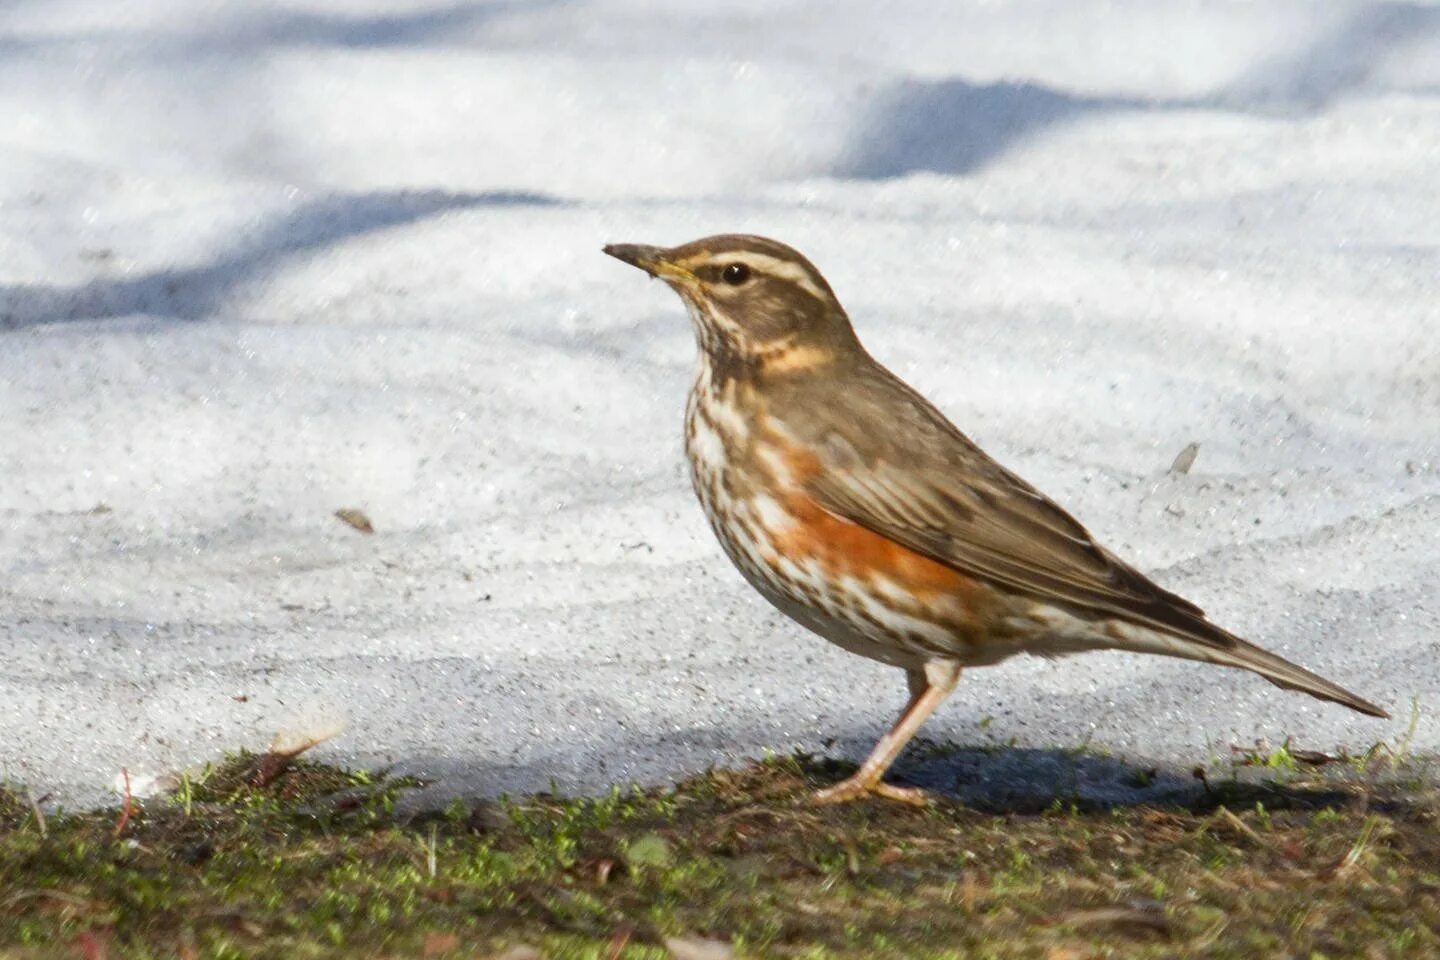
(260,261)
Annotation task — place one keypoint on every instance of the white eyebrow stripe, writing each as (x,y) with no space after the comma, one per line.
(785,270)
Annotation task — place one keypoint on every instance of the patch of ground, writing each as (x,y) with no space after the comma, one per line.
(256,858)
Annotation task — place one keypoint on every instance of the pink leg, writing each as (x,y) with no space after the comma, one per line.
(927,691)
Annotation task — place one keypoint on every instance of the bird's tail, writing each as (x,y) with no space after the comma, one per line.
(1221,647)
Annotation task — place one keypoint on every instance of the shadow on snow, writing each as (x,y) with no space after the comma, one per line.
(195,292)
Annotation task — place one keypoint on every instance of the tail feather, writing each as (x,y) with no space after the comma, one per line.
(1283,673)
(1221,647)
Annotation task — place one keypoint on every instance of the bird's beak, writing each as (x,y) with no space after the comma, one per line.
(653,260)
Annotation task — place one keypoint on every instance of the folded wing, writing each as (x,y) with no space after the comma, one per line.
(926,486)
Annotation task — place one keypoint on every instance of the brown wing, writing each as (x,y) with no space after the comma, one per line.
(925,485)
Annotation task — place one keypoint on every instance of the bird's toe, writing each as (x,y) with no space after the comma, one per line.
(856,789)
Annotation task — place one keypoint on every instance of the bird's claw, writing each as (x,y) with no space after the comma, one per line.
(855,788)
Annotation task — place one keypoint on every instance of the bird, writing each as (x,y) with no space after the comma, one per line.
(850,503)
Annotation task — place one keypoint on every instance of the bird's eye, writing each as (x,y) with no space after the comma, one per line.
(735,274)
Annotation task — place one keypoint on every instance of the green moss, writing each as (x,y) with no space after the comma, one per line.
(317,863)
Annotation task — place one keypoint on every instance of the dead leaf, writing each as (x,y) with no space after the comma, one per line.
(969,891)
(1314,758)
(356,518)
(1185,459)
(437,944)
(92,945)
(282,753)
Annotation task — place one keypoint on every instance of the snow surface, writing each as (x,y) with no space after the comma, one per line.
(260,261)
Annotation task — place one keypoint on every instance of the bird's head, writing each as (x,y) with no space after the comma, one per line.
(756,304)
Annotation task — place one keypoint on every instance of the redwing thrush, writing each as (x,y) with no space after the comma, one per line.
(855,507)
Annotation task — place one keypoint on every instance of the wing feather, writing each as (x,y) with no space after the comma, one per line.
(943,497)
(923,484)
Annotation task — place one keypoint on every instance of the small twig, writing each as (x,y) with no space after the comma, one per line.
(1399,754)
(129,808)
(39,814)
(1241,825)
(1357,850)
(1213,934)
(20,896)
(1140,915)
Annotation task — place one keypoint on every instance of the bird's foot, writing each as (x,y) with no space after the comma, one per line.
(855,788)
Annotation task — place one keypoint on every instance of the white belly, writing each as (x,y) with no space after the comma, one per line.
(743,519)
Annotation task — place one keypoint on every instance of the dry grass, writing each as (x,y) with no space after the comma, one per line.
(315,863)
